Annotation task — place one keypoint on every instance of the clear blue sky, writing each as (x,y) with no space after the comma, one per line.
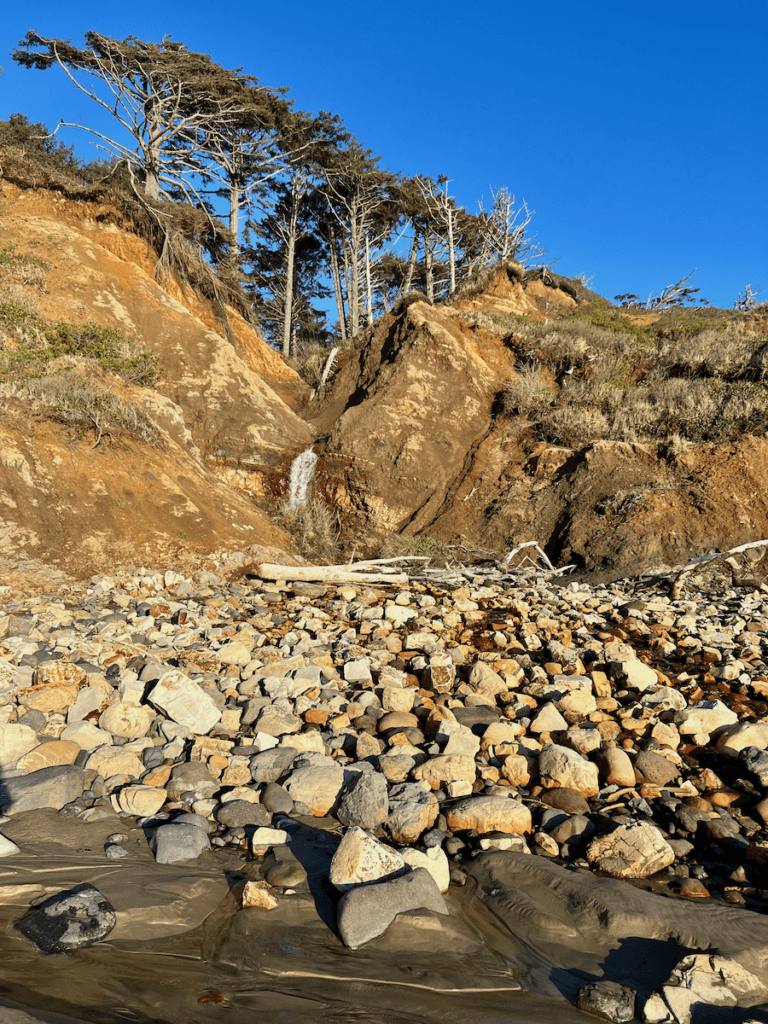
(637,132)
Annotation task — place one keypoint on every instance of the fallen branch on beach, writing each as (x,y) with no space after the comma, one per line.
(355,573)
(677,578)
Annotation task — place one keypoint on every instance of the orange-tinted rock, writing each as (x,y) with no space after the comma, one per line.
(49,754)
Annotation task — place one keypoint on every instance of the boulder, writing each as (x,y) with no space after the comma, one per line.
(412,810)
(607,1000)
(185,702)
(433,859)
(360,859)
(269,765)
(561,766)
(446,768)
(142,801)
(128,721)
(50,787)
(704,717)
(703,979)
(317,787)
(655,769)
(631,851)
(365,802)
(746,734)
(615,767)
(367,911)
(489,814)
(16,739)
(49,754)
(176,842)
(108,761)
(69,920)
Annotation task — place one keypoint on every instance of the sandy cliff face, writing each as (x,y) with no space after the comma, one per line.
(233,388)
(419,442)
(225,406)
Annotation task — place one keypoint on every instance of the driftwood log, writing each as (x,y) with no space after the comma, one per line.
(678,578)
(330,574)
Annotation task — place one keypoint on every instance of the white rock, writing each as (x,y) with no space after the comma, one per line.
(264,837)
(434,860)
(143,801)
(637,675)
(87,735)
(704,718)
(7,847)
(631,851)
(361,859)
(126,720)
(185,702)
(562,767)
(747,734)
(548,719)
(108,761)
(15,740)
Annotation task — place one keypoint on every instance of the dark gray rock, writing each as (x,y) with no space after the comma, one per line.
(365,802)
(269,765)
(574,826)
(173,843)
(755,761)
(607,1000)
(49,787)
(367,911)
(242,812)
(433,838)
(34,719)
(655,768)
(477,718)
(69,920)
(276,798)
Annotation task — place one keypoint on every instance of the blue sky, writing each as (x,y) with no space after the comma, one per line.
(637,132)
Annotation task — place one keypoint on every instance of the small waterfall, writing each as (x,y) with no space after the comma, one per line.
(300,478)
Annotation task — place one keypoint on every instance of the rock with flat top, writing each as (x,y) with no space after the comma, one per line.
(607,1000)
(50,787)
(561,766)
(489,814)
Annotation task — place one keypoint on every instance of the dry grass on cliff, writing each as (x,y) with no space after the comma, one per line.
(72,371)
(698,375)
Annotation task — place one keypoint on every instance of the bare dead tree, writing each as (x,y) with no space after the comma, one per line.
(674,295)
(748,300)
(503,231)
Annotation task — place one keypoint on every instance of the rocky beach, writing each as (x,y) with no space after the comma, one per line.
(506,787)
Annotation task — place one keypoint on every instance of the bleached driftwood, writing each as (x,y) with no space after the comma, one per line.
(505,562)
(678,578)
(328,574)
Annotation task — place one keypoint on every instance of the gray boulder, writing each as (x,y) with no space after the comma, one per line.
(366,912)
(365,802)
(269,765)
(49,787)
(237,813)
(173,843)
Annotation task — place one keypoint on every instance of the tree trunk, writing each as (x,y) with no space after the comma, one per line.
(337,286)
(234,217)
(451,250)
(429,268)
(406,286)
(368,289)
(351,292)
(290,260)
